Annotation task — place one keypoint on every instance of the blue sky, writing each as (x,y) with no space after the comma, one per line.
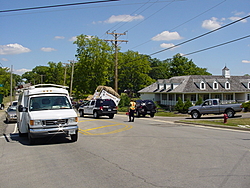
(36,37)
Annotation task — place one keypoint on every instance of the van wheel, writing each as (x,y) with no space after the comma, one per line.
(74,137)
(31,140)
(21,134)
(195,114)
(96,115)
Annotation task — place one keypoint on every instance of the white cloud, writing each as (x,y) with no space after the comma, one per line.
(123,18)
(211,24)
(236,13)
(10,49)
(59,37)
(21,71)
(4,59)
(73,38)
(234,18)
(245,61)
(166,35)
(47,49)
(168,45)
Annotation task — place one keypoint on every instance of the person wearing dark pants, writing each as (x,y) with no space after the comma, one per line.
(132,111)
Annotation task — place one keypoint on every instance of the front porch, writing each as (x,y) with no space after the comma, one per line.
(170,99)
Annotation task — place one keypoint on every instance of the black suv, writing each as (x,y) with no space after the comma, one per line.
(144,107)
(98,107)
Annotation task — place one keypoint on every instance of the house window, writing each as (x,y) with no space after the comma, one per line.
(215,85)
(164,97)
(248,97)
(202,85)
(171,97)
(227,85)
(193,97)
(229,97)
(248,85)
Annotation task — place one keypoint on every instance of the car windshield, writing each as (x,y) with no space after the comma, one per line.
(49,103)
(12,108)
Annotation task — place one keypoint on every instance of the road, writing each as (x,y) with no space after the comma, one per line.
(112,153)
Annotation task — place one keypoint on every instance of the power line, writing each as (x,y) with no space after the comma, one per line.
(216,46)
(54,6)
(200,36)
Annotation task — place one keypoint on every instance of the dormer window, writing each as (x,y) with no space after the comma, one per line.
(215,85)
(202,85)
(227,85)
(248,85)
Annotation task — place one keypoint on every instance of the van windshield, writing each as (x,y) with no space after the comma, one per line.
(49,103)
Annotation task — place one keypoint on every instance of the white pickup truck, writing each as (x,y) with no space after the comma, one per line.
(213,106)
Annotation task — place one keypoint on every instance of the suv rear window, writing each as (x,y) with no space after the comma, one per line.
(105,102)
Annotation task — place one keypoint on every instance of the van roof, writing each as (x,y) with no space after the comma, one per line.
(46,89)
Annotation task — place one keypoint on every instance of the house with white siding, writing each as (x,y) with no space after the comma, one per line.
(225,87)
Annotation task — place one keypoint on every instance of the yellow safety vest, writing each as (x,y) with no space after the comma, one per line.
(132,105)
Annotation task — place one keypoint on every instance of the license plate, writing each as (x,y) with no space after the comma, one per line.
(109,109)
(72,131)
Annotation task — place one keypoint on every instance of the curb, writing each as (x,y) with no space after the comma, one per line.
(217,126)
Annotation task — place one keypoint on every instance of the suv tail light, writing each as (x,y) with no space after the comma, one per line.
(101,108)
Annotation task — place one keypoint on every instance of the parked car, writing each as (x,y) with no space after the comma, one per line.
(213,106)
(98,107)
(11,114)
(144,107)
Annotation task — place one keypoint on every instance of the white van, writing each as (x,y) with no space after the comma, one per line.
(44,110)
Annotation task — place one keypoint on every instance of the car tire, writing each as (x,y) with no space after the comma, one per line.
(96,116)
(138,114)
(7,120)
(81,112)
(230,113)
(152,115)
(195,114)
(111,116)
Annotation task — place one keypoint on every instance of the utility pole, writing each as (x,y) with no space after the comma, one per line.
(11,69)
(64,81)
(72,74)
(115,42)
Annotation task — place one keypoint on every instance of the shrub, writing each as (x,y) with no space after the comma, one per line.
(179,105)
(187,104)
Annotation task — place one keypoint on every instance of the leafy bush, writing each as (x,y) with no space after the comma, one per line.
(246,106)
(199,102)
(187,104)
(179,105)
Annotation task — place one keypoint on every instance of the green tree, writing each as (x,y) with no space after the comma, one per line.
(180,66)
(133,71)
(55,73)
(159,69)
(95,60)
(187,104)
(179,105)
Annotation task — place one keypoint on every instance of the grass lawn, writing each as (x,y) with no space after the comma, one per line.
(230,122)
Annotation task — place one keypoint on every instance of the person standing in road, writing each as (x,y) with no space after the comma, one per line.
(131,111)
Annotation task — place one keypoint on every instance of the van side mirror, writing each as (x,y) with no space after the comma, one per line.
(22,109)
